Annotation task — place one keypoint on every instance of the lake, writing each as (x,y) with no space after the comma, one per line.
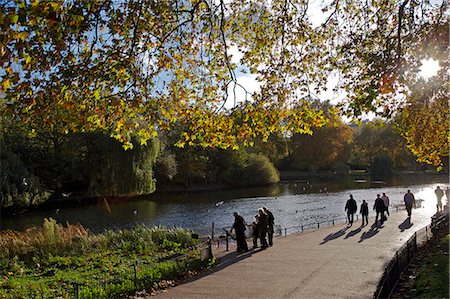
(293,203)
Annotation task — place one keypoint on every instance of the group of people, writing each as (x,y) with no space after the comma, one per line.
(380,206)
(262,229)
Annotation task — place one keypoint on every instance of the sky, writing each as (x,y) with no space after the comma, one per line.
(317,16)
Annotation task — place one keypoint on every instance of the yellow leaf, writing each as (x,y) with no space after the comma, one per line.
(180,144)
(6,84)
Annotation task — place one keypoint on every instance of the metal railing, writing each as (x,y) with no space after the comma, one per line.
(222,235)
(406,254)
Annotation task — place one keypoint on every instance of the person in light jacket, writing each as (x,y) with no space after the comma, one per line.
(385,199)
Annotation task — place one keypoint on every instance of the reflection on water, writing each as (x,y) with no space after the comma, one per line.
(293,203)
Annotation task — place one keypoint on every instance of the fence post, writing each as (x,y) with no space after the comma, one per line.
(333,222)
(415,242)
(226,238)
(357,216)
(407,250)
(318,225)
(302,228)
(212,231)
(76,290)
(285,231)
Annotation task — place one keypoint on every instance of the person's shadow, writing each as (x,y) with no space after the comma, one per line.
(353,232)
(370,233)
(405,224)
(335,235)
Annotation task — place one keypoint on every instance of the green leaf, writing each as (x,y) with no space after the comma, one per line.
(13,18)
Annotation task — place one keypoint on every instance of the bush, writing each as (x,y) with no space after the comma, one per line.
(342,169)
(258,170)
(381,166)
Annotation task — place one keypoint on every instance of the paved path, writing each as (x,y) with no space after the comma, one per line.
(333,262)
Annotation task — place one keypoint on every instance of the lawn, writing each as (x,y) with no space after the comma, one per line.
(432,276)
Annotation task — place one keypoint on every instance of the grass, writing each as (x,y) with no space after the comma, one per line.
(56,261)
(433,275)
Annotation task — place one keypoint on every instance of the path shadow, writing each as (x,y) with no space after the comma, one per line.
(353,232)
(335,235)
(407,224)
(223,262)
(370,233)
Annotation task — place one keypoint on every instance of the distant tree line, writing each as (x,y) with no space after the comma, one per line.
(38,166)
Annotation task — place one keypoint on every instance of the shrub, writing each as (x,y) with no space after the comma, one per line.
(342,169)
(258,170)
(381,166)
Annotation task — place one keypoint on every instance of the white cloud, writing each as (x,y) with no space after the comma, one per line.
(246,86)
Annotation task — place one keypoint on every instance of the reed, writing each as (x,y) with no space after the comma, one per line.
(52,237)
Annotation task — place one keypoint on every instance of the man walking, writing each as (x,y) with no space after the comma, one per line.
(379,208)
(439,194)
(351,209)
(386,203)
(364,212)
(409,202)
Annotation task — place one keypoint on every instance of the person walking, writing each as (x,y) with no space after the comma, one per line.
(439,194)
(271,222)
(351,208)
(409,202)
(386,203)
(240,227)
(262,228)
(364,212)
(255,232)
(379,208)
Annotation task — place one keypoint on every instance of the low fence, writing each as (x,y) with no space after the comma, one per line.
(406,254)
(222,235)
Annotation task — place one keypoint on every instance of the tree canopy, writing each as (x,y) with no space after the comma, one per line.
(134,68)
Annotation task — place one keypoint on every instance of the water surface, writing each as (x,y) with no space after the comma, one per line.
(292,203)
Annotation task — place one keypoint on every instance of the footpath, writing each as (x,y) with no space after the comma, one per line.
(332,262)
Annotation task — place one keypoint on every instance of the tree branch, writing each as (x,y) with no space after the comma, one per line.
(399,32)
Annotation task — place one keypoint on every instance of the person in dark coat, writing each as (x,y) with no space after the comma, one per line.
(351,209)
(379,208)
(364,212)
(271,222)
(255,232)
(410,201)
(239,228)
(263,223)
